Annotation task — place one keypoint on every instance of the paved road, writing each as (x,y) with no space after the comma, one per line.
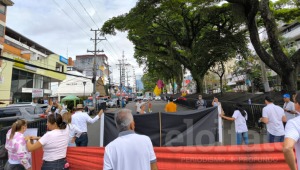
(94,129)
(229,136)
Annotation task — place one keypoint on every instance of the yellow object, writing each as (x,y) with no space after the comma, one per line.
(157,91)
(171,107)
(102,68)
(183,94)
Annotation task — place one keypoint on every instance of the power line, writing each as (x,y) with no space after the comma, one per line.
(87,13)
(71,19)
(92,5)
(93,21)
(78,14)
(95,10)
(35,66)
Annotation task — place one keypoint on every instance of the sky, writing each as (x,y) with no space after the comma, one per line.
(63,26)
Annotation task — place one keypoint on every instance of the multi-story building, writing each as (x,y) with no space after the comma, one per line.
(3,9)
(85,63)
(292,33)
(26,69)
(22,76)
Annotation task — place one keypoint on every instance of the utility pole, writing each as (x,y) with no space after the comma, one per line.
(120,65)
(122,68)
(95,51)
(134,81)
(109,81)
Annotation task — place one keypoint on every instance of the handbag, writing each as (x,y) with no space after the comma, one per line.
(3,153)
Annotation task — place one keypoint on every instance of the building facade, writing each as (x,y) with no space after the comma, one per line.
(26,69)
(85,63)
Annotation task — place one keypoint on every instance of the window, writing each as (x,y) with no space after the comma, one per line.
(15,80)
(34,110)
(2,9)
(9,112)
(29,81)
(1,30)
(46,82)
(38,81)
(22,80)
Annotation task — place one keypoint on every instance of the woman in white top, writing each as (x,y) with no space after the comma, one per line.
(239,117)
(74,130)
(54,143)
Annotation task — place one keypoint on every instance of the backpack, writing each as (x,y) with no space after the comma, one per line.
(3,153)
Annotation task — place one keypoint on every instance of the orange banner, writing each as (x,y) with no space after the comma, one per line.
(254,157)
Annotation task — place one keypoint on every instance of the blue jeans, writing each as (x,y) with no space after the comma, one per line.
(240,137)
(82,140)
(273,138)
(55,165)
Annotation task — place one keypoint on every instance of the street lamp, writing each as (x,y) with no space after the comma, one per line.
(84,83)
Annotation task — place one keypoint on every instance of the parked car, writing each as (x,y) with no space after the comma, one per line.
(111,103)
(157,98)
(10,114)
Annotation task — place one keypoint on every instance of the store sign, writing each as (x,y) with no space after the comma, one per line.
(21,65)
(37,93)
(30,68)
(63,60)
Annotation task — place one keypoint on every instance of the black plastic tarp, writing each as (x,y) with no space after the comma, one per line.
(185,128)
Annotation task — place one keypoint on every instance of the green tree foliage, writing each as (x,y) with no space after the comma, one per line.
(195,33)
(149,81)
(265,14)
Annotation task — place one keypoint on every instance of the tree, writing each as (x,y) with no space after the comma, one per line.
(219,69)
(264,13)
(195,33)
(149,82)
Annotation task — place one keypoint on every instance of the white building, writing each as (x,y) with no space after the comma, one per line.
(75,86)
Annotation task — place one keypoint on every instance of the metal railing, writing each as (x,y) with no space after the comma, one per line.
(254,110)
(40,124)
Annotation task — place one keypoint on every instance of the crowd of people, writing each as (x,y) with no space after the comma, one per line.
(69,129)
(65,129)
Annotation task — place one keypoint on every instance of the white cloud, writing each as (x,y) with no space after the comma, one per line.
(45,23)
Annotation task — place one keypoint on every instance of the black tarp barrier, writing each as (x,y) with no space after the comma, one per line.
(184,128)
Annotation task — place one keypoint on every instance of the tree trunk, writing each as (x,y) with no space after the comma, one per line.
(221,84)
(289,81)
(199,84)
(179,86)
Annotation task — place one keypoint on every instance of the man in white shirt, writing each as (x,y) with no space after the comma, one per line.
(273,116)
(138,106)
(292,138)
(80,119)
(129,151)
(288,107)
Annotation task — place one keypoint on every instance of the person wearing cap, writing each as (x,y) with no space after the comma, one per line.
(80,119)
(171,106)
(54,108)
(239,117)
(292,138)
(273,116)
(288,107)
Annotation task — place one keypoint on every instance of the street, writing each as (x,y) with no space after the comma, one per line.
(229,136)
(94,129)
